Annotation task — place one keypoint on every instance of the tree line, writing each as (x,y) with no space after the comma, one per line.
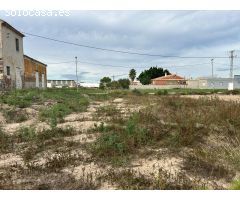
(144,78)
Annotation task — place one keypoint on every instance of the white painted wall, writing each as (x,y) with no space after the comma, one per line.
(49,85)
(37,79)
(18,79)
(0,39)
(1,65)
(43,81)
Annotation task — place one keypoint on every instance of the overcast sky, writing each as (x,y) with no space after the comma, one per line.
(182,33)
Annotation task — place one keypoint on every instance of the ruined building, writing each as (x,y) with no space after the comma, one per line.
(16,69)
(11,57)
(35,73)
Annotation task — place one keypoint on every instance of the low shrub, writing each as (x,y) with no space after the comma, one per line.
(129,179)
(60,160)
(108,110)
(235,185)
(118,141)
(233,92)
(55,133)
(6,142)
(162,92)
(13,115)
(26,134)
(57,112)
(136,92)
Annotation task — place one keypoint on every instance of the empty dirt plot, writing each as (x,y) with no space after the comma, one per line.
(219,96)
(90,139)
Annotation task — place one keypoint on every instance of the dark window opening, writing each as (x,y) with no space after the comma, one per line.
(8,71)
(17,44)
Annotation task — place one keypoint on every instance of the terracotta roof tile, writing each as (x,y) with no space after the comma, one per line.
(169,77)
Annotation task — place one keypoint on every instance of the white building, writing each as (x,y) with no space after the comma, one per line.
(61,83)
(90,85)
(11,57)
(214,83)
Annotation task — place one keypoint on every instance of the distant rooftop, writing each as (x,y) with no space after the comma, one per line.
(170,77)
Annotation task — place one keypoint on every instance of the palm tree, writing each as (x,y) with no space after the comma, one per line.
(132,74)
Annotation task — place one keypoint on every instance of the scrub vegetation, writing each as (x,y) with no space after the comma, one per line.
(119,139)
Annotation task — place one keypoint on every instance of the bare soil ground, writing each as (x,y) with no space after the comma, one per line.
(220,96)
(84,150)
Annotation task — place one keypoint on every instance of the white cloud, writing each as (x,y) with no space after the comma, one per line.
(185,33)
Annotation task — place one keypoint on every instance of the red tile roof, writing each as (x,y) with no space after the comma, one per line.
(170,77)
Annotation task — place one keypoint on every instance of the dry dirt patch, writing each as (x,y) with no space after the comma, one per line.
(151,166)
(78,117)
(13,127)
(9,159)
(221,97)
(82,138)
(83,126)
(2,119)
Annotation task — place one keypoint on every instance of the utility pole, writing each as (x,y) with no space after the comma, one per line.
(212,66)
(113,77)
(76,71)
(231,63)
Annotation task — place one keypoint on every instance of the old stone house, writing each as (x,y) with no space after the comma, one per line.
(16,69)
(11,57)
(35,73)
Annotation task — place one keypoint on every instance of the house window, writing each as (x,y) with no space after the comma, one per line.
(8,71)
(17,44)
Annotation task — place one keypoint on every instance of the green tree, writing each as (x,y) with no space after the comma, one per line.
(153,72)
(105,82)
(124,83)
(132,74)
(115,85)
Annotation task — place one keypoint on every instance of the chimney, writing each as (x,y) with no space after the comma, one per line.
(165,73)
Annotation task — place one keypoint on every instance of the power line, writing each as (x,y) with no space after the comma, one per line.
(114,76)
(119,51)
(192,65)
(92,63)
(61,62)
(226,69)
(105,65)
(108,65)
(121,75)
